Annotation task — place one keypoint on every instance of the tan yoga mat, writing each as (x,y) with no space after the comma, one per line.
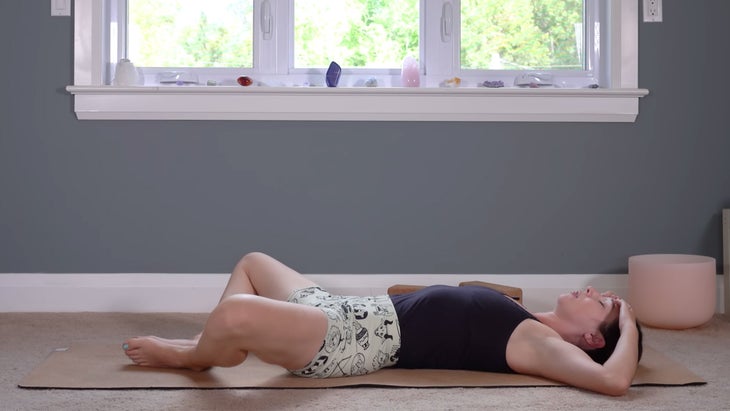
(104,366)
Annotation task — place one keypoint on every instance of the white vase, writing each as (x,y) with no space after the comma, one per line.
(125,74)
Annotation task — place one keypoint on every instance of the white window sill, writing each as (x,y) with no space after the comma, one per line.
(355,104)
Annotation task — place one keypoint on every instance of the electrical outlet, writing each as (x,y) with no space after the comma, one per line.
(60,7)
(653,11)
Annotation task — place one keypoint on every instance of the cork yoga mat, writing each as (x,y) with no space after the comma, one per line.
(104,366)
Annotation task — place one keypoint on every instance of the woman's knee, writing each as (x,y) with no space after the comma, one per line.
(252,258)
(234,316)
(243,266)
(248,263)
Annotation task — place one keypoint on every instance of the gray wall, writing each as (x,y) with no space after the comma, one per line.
(184,196)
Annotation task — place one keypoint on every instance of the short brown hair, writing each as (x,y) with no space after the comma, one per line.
(611,333)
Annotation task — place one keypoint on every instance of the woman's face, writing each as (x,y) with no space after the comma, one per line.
(587,308)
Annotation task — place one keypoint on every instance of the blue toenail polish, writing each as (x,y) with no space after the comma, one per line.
(125,346)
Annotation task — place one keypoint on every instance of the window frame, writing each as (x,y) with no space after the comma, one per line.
(94,99)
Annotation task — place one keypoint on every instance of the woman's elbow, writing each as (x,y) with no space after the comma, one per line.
(616,386)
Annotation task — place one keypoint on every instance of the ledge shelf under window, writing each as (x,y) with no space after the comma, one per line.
(355,104)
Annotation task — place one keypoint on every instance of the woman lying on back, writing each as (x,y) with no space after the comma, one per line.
(590,340)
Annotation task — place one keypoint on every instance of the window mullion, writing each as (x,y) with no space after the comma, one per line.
(285,36)
(440,53)
(118,33)
(270,50)
(594,44)
(263,58)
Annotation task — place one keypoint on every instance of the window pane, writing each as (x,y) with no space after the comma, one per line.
(522,34)
(190,33)
(355,33)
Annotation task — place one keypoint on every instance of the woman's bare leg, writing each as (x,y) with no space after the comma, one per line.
(277,332)
(255,274)
(260,274)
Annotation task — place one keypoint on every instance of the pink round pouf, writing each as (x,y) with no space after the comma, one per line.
(674,291)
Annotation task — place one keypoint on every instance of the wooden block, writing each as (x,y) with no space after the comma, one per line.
(403,289)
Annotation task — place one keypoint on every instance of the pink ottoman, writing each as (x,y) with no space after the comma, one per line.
(673,291)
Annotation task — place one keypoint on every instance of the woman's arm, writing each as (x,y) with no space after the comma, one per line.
(625,356)
(544,353)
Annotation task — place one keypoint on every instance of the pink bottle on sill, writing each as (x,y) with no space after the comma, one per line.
(410,73)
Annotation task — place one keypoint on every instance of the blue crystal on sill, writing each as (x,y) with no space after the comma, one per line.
(333,74)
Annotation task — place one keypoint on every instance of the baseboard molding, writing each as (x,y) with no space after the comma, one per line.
(197,293)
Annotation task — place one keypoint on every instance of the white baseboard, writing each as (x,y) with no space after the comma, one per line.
(196,293)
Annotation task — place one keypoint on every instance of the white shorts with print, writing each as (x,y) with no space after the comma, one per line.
(363,334)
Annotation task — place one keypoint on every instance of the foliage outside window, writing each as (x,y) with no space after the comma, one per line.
(522,34)
(180,33)
(356,33)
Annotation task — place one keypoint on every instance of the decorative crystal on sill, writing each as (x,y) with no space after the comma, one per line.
(493,84)
(451,82)
(333,74)
(410,75)
(371,82)
(177,77)
(244,81)
(534,80)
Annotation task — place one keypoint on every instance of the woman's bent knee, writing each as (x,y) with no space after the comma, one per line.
(252,258)
(234,316)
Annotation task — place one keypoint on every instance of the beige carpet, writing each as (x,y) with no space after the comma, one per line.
(26,339)
(98,366)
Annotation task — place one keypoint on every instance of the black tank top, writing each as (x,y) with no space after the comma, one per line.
(461,328)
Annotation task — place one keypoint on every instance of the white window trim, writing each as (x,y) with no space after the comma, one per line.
(93,100)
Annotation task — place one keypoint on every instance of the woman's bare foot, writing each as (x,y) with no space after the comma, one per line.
(181,342)
(160,352)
